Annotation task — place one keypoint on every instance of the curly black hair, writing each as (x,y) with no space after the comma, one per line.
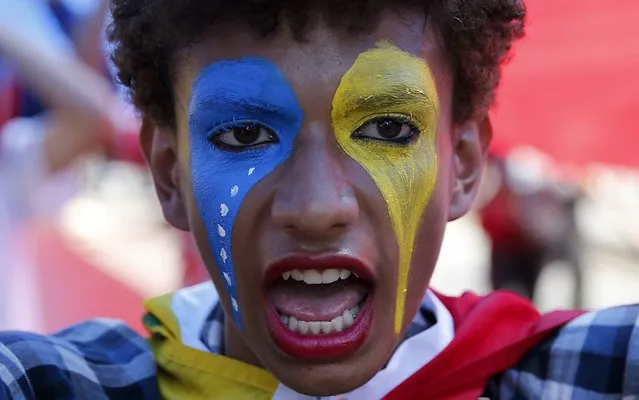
(476,36)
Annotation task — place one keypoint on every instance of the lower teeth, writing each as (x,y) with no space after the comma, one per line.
(337,324)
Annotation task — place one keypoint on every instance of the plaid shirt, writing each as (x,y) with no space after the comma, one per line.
(594,357)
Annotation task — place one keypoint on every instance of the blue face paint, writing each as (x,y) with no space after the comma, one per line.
(228,94)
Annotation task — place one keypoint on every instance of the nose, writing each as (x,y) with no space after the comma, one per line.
(315,200)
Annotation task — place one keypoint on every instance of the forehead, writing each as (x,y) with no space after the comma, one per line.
(314,66)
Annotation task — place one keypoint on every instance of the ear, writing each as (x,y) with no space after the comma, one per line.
(470,147)
(160,149)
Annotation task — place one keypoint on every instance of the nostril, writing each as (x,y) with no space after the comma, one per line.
(313,236)
(320,208)
(320,216)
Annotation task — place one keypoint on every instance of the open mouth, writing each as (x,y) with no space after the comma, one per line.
(319,307)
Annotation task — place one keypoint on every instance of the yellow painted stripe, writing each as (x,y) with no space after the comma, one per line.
(386,81)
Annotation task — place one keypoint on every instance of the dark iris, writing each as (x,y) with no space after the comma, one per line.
(389,128)
(246,134)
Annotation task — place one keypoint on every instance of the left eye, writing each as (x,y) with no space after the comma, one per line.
(240,137)
(390,129)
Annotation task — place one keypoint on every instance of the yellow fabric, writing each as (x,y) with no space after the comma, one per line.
(160,308)
(185,373)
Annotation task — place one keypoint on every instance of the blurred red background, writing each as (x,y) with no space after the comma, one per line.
(572,89)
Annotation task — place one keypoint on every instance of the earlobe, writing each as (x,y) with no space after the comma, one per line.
(470,147)
(160,149)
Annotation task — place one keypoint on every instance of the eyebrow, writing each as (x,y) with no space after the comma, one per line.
(216,102)
(389,98)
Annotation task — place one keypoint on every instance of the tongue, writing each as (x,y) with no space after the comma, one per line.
(316,302)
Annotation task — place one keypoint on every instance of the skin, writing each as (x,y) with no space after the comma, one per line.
(321,200)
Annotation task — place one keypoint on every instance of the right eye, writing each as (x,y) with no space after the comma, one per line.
(245,136)
(391,129)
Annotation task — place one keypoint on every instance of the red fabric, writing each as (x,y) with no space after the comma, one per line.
(9,94)
(5,106)
(571,88)
(492,334)
(126,147)
(500,223)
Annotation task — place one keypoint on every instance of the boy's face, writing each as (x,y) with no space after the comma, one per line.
(317,179)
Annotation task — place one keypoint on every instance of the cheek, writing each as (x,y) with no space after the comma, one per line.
(226,94)
(428,242)
(219,197)
(430,233)
(221,181)
(406,178)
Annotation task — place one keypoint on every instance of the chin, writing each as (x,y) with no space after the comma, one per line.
(324,326)
(329,379)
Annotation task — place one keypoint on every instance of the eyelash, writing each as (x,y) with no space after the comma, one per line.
(216,134)
(401,118)
(214,137)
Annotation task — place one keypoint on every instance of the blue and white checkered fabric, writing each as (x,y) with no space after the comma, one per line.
(100,359)
(594,357)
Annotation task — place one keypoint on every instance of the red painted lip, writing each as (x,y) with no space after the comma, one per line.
(321,347)
(319,262)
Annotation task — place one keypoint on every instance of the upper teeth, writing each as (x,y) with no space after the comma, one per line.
(316,277)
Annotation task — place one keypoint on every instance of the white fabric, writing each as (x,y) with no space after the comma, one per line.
(27,192)
(82,8)
(34,20)
(193,305)
(4,270)
(25,187)
(21,173)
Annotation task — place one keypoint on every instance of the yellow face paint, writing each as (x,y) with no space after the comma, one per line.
(387,82)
